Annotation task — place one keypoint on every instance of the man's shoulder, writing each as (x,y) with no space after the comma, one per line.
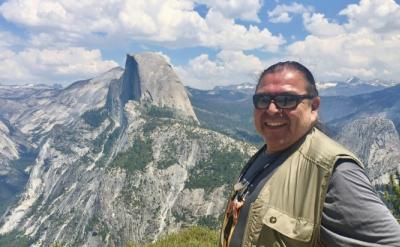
(353,213)
(324,150)
(324,143)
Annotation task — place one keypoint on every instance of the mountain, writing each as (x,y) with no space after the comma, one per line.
(227,109)
(114,159)
(338,110)
(369,124)
(24,91)
(155,82)
(12,177)
(246,87)
(352,86)
(376,141)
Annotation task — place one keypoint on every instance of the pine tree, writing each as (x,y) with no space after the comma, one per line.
(392,194)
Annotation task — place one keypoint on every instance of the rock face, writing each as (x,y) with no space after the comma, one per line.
(8,149)
(369,125)
(376,141)
(36,112)
(160,87)
(123,159)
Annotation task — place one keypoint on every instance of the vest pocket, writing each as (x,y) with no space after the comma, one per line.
(298,229)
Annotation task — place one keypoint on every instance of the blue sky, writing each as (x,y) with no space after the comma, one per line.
(208,42)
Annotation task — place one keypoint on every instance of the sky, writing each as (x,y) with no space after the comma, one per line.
(208,42)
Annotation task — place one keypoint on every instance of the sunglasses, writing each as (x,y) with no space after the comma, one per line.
(282,101)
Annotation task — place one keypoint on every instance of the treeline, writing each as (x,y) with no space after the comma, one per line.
(391,194)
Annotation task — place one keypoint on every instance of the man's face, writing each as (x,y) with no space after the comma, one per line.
(282,128)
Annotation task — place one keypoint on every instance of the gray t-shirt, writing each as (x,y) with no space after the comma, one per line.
(353,214)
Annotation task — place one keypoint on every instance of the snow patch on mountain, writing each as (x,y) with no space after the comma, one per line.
(325,85)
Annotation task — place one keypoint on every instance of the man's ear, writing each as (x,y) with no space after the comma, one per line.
(315,103)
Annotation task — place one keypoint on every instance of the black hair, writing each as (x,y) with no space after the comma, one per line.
(311,87)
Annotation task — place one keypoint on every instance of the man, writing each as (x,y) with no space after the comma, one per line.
(302,188)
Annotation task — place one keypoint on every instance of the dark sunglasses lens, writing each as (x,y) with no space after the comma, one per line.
(261,101)
(286,101)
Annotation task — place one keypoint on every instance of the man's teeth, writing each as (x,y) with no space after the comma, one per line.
(275,124)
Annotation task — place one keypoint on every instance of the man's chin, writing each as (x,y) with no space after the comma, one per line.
(276,135)
(276,145)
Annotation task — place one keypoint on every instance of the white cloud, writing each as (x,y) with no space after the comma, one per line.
(235,9)
(318,25)
(56,29)
(168,20)
(225,34)
(366,49)
(162,21)
(55,40)
(50,65)
(8,39)
(281,18)
(72,16)
(171,23)
(282,13)
(228,67)
(380,16)
(366,45)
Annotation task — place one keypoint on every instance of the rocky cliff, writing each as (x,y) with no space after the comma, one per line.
(376,141)
(117,158)
(160,87)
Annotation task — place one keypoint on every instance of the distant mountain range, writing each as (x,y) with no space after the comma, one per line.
(227,110)
(349,87)
(353,86)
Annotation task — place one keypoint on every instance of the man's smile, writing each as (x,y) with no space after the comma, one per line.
(274,124)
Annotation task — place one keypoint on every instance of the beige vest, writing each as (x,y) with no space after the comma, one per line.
(288,209)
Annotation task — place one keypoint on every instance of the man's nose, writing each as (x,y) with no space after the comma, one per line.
(272,108)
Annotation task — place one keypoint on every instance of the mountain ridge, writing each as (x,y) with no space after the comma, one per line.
(120,168)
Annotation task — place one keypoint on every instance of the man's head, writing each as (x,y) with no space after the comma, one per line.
(287,104)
